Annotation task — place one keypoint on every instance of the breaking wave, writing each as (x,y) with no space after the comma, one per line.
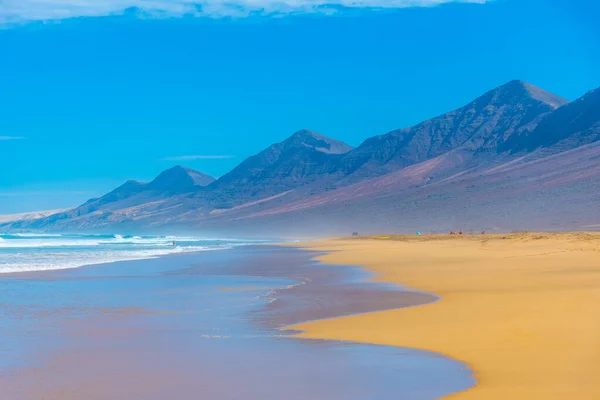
(41,252)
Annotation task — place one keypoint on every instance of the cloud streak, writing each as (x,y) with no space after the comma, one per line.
(196,157)
(3,138)
(16,11)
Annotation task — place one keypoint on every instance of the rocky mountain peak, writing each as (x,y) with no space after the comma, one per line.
(317,142)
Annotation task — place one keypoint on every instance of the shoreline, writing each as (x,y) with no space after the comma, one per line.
(333,291)
(94,335)
(371,279)
(518,309)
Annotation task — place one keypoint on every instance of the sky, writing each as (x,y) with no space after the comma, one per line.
(96,92)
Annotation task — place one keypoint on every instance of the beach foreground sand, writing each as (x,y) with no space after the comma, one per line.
(522,310)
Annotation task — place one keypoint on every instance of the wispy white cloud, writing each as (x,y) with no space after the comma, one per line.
(46,10)
(11,137)
(196,157)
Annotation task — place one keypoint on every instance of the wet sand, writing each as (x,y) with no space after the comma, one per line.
(521,310)
(166,328)
(317,292)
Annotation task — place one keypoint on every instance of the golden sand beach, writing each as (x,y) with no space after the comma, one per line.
(522,310)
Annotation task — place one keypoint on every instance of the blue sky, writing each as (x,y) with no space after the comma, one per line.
(93,93)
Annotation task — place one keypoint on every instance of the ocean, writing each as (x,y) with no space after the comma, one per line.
(25,252)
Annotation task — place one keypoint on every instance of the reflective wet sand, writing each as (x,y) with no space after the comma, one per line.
(205,326)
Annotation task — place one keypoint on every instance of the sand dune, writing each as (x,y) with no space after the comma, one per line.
(29,215)
(521,310)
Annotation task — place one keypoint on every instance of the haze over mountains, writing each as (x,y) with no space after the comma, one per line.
(515,158)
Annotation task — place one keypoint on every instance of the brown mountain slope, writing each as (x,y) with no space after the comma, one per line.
(570,126)
(560,191)
(482,127)
(308,182)
(303,158)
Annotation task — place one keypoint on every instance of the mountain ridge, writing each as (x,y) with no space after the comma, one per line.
(473,127)
(301,159)
(292,180)
(575,124)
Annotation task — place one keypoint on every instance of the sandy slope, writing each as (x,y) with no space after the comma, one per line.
(522,310)
(28,216)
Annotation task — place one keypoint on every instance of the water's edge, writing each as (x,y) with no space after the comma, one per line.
(300,289)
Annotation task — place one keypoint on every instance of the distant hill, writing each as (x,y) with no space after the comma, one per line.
(302,159)
(179,180)
(171,182)
(175,180)
(29,216)
(95,212)
(517,157)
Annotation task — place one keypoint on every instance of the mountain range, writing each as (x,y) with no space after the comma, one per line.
(516,158)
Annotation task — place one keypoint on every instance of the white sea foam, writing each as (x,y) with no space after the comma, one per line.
(67,241)
(40,252)
(58,261)
(38,235)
